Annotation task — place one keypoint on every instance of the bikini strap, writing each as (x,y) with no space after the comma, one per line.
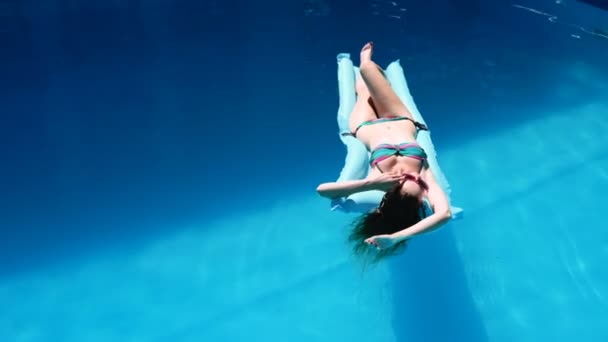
(418,125)
(423,163)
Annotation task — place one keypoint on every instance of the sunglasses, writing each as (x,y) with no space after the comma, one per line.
(418,180)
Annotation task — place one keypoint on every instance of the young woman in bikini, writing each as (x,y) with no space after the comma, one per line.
(399,167)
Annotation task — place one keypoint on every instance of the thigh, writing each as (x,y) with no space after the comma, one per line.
(386,101)
(362,112)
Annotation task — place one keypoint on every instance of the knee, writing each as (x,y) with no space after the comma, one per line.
(367,66)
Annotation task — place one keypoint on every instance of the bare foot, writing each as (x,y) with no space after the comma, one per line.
(366,52)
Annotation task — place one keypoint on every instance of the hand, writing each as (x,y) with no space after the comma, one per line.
(386,181)
(382,241)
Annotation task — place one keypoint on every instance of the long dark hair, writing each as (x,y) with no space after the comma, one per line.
(395,212)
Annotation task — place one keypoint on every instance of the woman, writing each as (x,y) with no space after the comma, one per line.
(399,167)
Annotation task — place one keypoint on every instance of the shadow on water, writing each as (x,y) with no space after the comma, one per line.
(432,301)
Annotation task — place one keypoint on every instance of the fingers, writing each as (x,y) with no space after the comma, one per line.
(396,177)
(372,242)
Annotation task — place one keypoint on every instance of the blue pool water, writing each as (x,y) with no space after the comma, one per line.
(159,161)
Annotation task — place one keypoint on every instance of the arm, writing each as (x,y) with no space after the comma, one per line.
(441,212)
(344,189)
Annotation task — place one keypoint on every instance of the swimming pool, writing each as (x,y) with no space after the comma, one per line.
(161,168)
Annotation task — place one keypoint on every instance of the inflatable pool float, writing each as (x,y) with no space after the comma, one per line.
(356,163)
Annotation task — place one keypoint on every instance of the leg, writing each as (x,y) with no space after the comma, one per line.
(362,111)
(385,100)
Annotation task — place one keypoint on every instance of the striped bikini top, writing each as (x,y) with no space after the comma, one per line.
(406,149)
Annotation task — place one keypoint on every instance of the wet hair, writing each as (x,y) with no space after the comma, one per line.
(395,212)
